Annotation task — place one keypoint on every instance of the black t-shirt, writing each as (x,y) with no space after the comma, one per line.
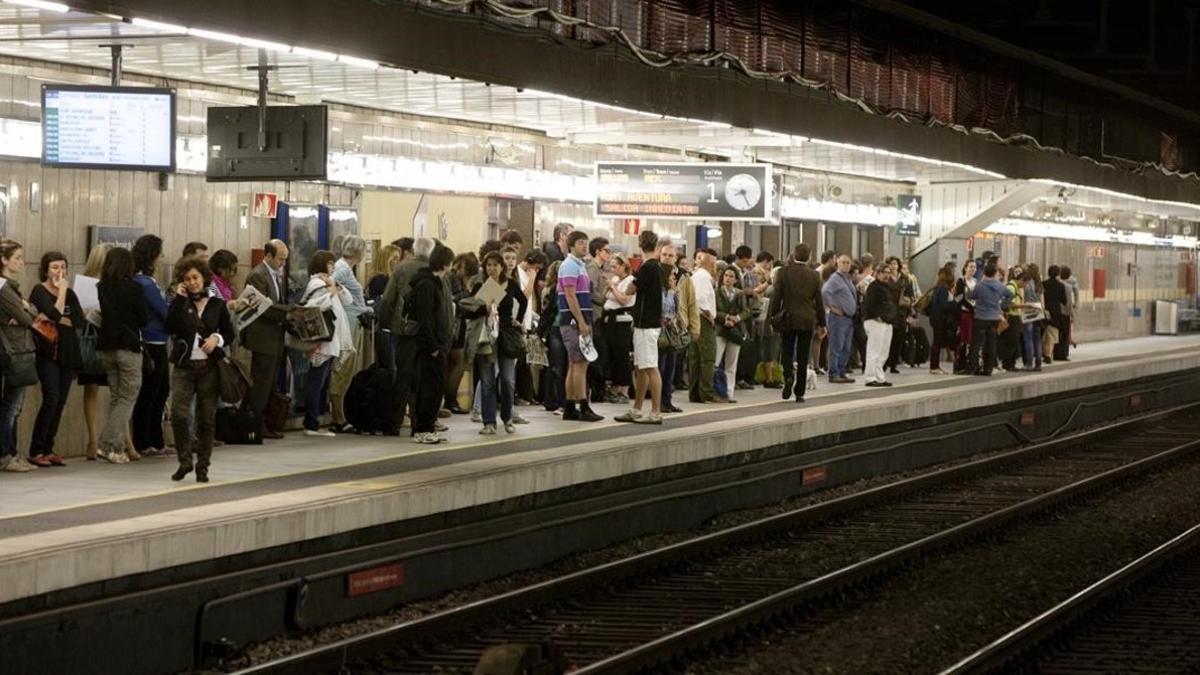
(647,309)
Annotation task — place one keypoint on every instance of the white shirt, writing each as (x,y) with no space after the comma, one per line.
(706,293)
(198,353)
(523,279)
(612,304)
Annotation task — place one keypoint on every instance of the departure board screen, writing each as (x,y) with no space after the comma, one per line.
(108,127)
(684,191)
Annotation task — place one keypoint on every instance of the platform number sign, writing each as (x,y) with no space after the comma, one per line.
(908,215)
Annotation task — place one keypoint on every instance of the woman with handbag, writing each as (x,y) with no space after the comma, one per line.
(58,358)
(322,291)
(491,342)
(91,373)
(200,328)
(123,314)
(20,370)
(732,314)
(354,249)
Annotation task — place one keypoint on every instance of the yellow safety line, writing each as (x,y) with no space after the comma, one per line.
(478,444)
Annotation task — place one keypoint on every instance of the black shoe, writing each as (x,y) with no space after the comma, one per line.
(894,370)
(272,435)
(773,385)
(672,409)
(589,416)
(873,383)
(571,416)
(201,476)
(799,398)
(788,383)
(456,409)
(885,384)
(391,432)
(180,473)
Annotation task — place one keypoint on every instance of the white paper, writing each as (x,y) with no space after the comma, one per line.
(254,304)
(491,293)
(85,290)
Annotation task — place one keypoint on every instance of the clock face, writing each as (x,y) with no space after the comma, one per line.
(743,192)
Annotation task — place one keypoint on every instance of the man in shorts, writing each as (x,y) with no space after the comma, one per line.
(649,283)
(575,324)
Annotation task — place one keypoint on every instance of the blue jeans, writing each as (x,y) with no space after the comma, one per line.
(554,375)
(314,387)
(1032,332)
(666,368)
(841,341)
(10,406)
(490,390)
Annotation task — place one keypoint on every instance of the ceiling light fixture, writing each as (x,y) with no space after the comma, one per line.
(158,25)
(41,4)
(315,53)
(355,61)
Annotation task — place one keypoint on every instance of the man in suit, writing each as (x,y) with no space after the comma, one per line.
(797,312)
(264,336)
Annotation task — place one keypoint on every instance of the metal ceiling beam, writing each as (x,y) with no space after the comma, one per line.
(684,140)
(468,46)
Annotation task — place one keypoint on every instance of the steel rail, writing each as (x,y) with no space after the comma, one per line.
(760,611)
(337,655)
(1029,636)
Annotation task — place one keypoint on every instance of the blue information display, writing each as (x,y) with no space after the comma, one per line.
(108,127)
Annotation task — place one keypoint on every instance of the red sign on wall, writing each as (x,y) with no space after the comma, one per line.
(1099,283)
(814,475)
(374,580)
(632,226)
(266,204)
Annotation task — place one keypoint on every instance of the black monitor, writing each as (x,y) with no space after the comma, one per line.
(295,143)
(90,127)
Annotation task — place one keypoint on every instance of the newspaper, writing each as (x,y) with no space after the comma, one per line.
(308,324)
(253,305)
(85,290)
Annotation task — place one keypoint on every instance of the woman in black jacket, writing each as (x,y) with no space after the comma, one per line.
(58,357)
(200,328)
(498,317)
(123,314)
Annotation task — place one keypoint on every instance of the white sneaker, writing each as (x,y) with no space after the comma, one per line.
(517,419)
(488,430)
(508,426)
(428,438)
(26,463)
(650,418)
(13,466)
(114,457)
(476,417)
(320,433)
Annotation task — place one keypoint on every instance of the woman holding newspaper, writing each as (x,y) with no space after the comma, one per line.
(325,294)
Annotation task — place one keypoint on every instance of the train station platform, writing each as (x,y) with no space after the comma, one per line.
(91,522)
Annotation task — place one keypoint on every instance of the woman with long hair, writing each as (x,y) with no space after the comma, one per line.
(156,382)
(382,267)
(224,267)
(58,357)
(200,330)
(494,318)
(618,330)
(732,314)
(91,382)
(1032,316)
(123,315)
(964,294)
(462,271)
(16,316)
(943,319)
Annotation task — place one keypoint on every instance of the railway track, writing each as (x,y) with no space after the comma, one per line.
(1144,618)
(645,611)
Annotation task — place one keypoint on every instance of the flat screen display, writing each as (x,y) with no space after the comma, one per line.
(108,127)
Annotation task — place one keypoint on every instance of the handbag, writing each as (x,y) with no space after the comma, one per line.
(233,380)
(20,368)
(512,342)
(279,409)
(671,337)
(1002,325)
(45,333)
(89,351)
(535,352)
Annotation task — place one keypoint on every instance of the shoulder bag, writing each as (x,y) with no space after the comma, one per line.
(89,351)
(20,368)
(234,381)
(511,342)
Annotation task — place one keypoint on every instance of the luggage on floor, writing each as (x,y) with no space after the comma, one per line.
(916,346)
(236,426)
(368,401)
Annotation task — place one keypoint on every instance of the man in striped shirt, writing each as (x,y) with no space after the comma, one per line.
(575,324)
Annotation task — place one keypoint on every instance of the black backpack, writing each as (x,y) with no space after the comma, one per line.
(368,401)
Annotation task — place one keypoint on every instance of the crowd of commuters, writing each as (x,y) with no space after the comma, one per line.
(564,327)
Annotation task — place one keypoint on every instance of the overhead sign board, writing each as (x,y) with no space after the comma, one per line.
(908,215)
(108,127)
(683,191)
